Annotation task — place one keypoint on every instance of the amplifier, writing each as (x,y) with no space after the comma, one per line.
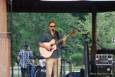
(104,69)
(100,75)
(73,74)
(104,59)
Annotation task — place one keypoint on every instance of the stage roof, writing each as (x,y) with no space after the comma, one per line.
(60,6)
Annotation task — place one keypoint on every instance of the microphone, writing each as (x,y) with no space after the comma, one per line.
(53,30)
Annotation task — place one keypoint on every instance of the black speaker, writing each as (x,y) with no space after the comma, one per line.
(81,72)
(103,69)
(100,75)
(73,74)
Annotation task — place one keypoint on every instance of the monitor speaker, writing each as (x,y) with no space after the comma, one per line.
(73,74)
(76,74)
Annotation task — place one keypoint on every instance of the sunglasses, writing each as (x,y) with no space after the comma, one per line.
(51,26)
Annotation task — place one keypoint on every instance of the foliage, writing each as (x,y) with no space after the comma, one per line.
(106,29)
(28,27)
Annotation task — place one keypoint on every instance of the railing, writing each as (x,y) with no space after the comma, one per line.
(65,70)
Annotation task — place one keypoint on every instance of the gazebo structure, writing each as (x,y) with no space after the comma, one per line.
(44,6)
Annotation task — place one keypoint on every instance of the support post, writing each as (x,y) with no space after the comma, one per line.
(94,47)
(4,41)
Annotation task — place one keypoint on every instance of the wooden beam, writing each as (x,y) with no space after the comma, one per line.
(61,6)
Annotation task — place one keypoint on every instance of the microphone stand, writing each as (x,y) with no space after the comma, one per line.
(86,54)
(86,50)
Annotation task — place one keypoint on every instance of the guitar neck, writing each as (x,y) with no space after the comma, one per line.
(61,40)
(70,33)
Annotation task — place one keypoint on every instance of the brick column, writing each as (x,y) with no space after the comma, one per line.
(4,42)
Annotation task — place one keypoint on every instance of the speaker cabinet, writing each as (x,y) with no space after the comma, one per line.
(73,74)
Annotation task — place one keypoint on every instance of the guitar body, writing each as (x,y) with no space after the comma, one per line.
(47,53)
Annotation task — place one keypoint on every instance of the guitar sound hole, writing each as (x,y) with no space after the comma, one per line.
(51,45)
(50,49)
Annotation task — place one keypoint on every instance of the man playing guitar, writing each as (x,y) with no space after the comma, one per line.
(50,48)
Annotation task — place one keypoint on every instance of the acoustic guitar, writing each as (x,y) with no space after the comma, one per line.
(47,53)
